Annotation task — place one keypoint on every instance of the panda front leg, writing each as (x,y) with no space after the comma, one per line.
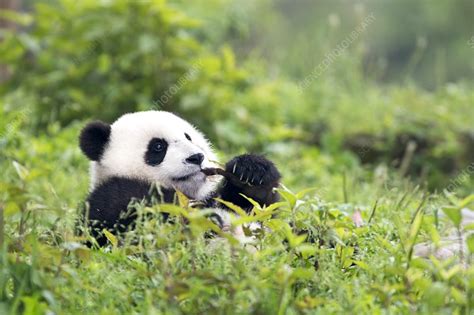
(253,176)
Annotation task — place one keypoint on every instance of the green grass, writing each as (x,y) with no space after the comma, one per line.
(310,259)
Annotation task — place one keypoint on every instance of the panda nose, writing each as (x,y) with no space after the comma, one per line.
(195,159)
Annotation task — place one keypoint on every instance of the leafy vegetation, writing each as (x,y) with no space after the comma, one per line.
(344,246)
(312,257)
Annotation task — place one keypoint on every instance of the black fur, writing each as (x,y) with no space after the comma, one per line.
(256,177)
(94,138)
(156,151)
(108,204)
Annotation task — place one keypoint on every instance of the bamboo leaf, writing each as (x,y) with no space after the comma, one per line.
(183,201)
(231,206)
(112,239)
(454,214)
(466,201)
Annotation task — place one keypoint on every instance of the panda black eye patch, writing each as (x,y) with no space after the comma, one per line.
(156,151)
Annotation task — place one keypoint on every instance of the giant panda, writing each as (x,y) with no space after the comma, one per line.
(141,150)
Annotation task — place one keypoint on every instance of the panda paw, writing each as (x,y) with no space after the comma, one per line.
(253,170)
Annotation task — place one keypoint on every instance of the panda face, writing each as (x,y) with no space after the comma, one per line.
(154,146)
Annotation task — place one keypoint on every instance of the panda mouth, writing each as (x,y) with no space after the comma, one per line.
(186,177)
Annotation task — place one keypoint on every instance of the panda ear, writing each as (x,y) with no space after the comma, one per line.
(93,139)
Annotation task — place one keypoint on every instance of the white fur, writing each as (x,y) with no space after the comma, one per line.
(125,153)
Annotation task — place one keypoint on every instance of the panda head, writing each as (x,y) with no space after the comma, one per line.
(152,146)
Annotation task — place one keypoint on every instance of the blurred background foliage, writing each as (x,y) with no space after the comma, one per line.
(406,79)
